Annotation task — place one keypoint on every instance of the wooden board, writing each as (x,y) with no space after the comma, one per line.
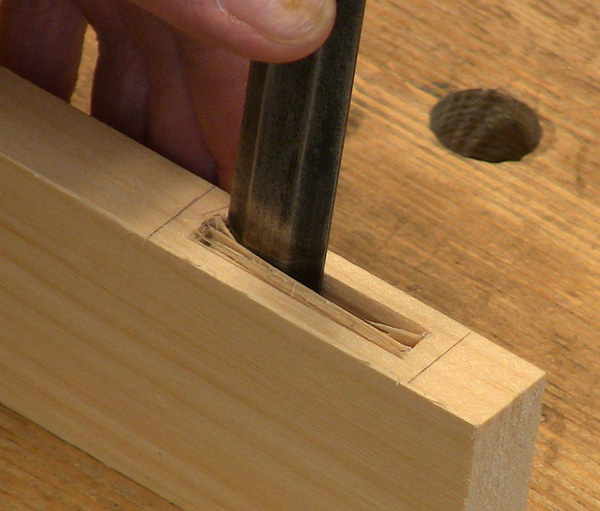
(509,250)
(126,336)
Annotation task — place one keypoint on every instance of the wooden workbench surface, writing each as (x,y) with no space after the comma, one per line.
(511,250)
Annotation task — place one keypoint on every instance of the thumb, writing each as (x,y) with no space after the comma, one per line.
(267,30)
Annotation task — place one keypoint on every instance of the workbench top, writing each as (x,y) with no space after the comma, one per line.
(511,250)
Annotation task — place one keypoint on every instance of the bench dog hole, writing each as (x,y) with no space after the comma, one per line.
(485,124)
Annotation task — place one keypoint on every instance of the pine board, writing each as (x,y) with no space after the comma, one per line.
(127,337)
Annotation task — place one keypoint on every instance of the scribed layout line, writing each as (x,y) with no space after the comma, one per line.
(438,358)
(214,211)
(178,214)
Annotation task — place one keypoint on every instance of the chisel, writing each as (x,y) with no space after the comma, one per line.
(290,151)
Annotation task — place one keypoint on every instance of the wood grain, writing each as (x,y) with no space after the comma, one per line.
(510,250)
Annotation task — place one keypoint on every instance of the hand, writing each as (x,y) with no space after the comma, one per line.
(170,73)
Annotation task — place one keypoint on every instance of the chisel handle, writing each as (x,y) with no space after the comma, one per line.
(291,146)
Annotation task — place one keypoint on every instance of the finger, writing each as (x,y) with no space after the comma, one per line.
(121,83)
(41,40)
(217,85)
(172,127)
(267,30)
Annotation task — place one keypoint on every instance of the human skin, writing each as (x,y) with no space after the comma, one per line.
(170,73)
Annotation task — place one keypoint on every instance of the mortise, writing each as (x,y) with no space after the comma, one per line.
(346,306)
(374,313)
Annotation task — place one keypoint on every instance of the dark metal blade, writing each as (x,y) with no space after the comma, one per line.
(289,157)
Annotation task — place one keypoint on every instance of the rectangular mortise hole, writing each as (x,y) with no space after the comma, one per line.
(338,301)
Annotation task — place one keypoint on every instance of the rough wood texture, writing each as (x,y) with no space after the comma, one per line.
(127,336)
(509,250)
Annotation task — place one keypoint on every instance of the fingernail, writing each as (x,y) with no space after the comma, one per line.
(283,19)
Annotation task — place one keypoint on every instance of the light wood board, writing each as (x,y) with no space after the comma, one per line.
(126,336)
